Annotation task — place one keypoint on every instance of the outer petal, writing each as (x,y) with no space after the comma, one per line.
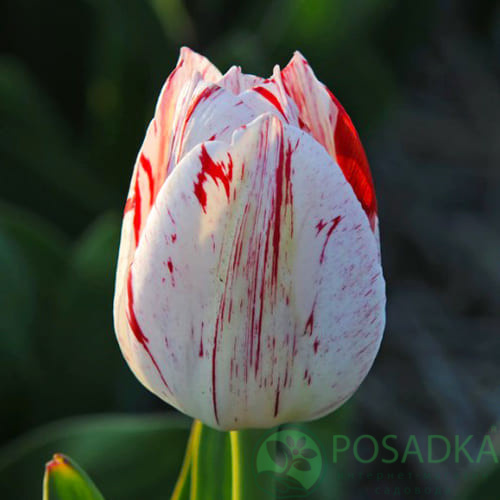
(325,118)
(256,283)
(204,112)
(150,171)
(153,162)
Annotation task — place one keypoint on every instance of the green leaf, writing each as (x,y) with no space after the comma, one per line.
(65,480)
(129,457)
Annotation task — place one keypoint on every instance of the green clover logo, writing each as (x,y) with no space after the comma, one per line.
(288,463)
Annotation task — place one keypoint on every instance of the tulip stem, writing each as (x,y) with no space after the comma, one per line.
(218,465)
(236,460)
(243,472)
(182,486)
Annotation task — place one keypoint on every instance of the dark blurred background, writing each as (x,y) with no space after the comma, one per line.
(421,80)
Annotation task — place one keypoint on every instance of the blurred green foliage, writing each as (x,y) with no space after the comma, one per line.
(78,83)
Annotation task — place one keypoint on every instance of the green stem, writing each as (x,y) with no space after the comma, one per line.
(236,462)
(182,487)
(218,465)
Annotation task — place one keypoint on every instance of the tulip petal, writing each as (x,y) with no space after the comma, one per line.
(256,283)
(263,95)
(237,82)
(270,97)
(210,110)
(195,62)
(190,110)
(323,116)
(213,113)
(154,160)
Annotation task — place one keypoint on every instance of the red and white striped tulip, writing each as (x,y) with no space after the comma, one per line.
(249,288)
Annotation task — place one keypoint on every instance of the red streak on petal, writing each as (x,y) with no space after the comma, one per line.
(283,197)
(320,226)
(261,309)
(351,158)
(202,96)
(137,209)
(146,166)
(303,126)
(217,171)
(200,352)
(129,205)
(136,328)
(214,376)
(316,345)
(310,323)
(174,237)
(170,216)
(170,266)
(277,401)
(268,95)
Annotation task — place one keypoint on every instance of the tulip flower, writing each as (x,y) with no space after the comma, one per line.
(249,288)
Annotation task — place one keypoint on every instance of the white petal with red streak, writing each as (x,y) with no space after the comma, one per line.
(155,151)
(213,113)
(191,120)
(237,82)
(258,306)
(269,98)
(323,116)
(317,110)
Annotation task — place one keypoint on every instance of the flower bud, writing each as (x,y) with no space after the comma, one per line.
(249,289)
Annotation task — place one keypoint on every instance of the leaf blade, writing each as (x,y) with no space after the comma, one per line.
(65,480)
